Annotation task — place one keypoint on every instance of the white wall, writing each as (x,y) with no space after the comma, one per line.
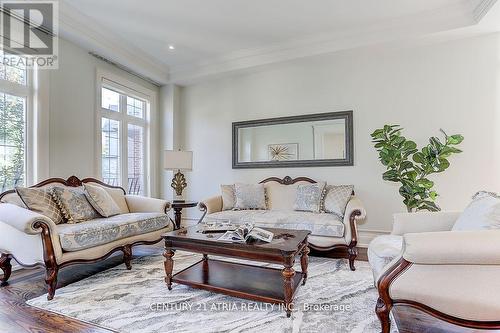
(452,86)
(72,110)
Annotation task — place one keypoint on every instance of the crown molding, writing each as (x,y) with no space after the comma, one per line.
(459,15)
(83,30)
(86,32)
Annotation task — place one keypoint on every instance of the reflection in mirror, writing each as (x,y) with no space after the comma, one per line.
(313,140)
(323,139)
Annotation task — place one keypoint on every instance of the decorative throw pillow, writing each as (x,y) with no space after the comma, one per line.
(250,196)
(40,200)
(73,204)
(228,197)
(482,213)
(336,199)
(100,199)
(309,197)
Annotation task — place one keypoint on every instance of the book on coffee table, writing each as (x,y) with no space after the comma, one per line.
(246,232)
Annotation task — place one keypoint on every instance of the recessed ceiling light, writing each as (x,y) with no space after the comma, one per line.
(171,47)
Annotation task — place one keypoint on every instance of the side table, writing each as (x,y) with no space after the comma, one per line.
(178,206)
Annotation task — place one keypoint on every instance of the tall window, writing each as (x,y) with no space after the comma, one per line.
(124,125)
(14,92)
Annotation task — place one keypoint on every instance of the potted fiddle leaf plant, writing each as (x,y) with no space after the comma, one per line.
(411,167)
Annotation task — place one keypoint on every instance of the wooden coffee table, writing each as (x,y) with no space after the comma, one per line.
(236,279)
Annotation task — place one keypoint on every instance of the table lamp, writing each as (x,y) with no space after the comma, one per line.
(178,160)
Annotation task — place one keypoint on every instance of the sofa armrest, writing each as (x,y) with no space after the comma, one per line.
(25,220)
(140,204)
(354,212)
(480,247)
(423,222)
(211,205)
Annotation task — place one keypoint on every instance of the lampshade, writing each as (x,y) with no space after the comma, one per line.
(178,160)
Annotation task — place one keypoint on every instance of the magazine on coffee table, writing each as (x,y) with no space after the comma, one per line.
(218,226)
(245,232)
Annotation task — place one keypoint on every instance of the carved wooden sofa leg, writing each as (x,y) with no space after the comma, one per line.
(382,310)
(353,253)
(6,267)
(127,256)
(51,281)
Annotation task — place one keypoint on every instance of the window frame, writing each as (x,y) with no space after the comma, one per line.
(126,88)
(26,91)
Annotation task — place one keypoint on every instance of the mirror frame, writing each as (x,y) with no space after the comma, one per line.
(349,144)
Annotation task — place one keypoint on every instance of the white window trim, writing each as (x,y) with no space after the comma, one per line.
(150,123)
(32,131)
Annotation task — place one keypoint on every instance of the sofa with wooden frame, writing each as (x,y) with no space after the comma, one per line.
(450,275)
(281,195)
(33,239)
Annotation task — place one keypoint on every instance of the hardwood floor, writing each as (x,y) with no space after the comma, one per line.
(17,317)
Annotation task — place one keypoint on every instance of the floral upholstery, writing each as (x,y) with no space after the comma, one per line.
(250,196)
(320,224)
(73,204)
(75,237)
(309,197)
(101,200)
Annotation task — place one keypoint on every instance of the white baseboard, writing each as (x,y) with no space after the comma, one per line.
(365,236)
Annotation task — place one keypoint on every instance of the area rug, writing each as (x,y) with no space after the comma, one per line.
(334,299)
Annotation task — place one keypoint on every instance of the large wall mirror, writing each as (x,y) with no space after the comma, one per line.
(322,139)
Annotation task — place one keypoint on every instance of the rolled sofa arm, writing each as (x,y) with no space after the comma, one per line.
(24,219)
(211,205)
(140,204)
(355,211)
(453,247)
(423,222)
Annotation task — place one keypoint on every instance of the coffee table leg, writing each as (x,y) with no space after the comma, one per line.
(304,262)
(169,266)
(288,274)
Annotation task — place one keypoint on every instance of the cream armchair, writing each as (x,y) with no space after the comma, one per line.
(451,275)
(34,240)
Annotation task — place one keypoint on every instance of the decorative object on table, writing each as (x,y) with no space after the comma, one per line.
(407,165)
(178,206)
(325,139)
(181,161)
(283,151)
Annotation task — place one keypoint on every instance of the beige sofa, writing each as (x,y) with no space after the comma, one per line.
(33,239)
(329,233)
(451,275)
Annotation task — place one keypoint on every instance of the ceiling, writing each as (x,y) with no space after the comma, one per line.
(223,36)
